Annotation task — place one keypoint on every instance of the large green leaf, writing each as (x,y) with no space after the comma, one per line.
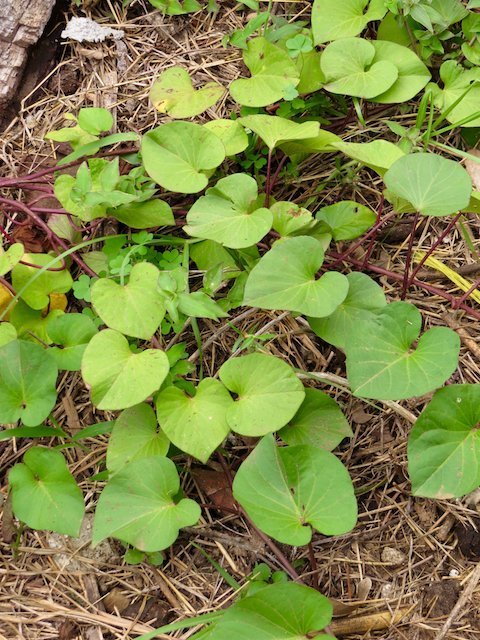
(382,363)
(135,435)
(273,73)
(173,93)
(461,86)
(118,378)
(444,444)
(350,69)
(138,506)
(332,19)
(36,294)
(144,215)
(275,131)
(45,494)
(289,491)
(433,185)
(71,332)
(346,220)
(318,423)
(281,611)
(178,155)
(365,297)
(10,257)
(231,133)
(269,393)
(379,155)
(28,375)
(230,213)
(135,309)
(284,278)
(198,424)
(413,75)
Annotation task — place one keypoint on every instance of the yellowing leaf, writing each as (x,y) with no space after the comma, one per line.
(461,282)
(5,299)
(58,301)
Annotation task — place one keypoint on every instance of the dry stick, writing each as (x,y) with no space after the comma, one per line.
(408,259)
(462,600)
(372,622)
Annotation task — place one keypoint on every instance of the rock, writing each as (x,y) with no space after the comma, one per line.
(393,556)
(21,25)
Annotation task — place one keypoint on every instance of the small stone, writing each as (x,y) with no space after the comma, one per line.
(387,591)
(393,556)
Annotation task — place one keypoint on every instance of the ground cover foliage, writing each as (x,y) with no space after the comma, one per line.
(200,236)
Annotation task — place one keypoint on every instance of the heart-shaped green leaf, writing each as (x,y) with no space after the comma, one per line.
(95,120)
(444,444)
(135,435)
(346,220)
(379,155)
(72,332)
(275,131)
(349,69)
(289,491)
(382,364)
(290,219)
(281,611)
(45,494)
(173,93)
(195,425)
(28,375)
(230,213)
(37,292)
(318,423)
(365,297)
(273,73)
(178,155)
(284,278)
(413,75)
(461,87)
(321,143)
(31,324)
(118,378)
(145,215)
(332,20)
(10,257)
(138,506)
(135,309)
(231,133)
(433,185)
(269,393)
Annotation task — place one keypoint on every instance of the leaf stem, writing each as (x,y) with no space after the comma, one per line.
(268,183)
(408,259)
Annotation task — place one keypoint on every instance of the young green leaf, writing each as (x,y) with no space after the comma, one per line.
(118,378)
(10,257)
(36,294)
(95,120)
(275,131)
(231,133)
(135,309)
(461,87)
(379,155)
(72,332)
(323,142)
(413,75)
(433,185)
(196,425)
(382,363)
(318,423)
(269,393)
(138,506)
(145,215)
(28,376)
(281,611)
(332,20)
(45,494)
(7,333)
(365,297)
(284,278)
(346,220)
(273,72)
(173,93)
(230,213)
(350,69)
(135,435)
(289,492)
(199,305)
(291,219)
(178,155)
(311,76)
(444,444)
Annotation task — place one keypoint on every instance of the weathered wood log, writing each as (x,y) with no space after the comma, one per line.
(22,22)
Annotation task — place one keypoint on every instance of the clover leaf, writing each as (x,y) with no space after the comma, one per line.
(284,278)
(173,93)
(383,365)
(138,506)
(230,213)
(45,494)
(444,444)
(332,20)
(289,492)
